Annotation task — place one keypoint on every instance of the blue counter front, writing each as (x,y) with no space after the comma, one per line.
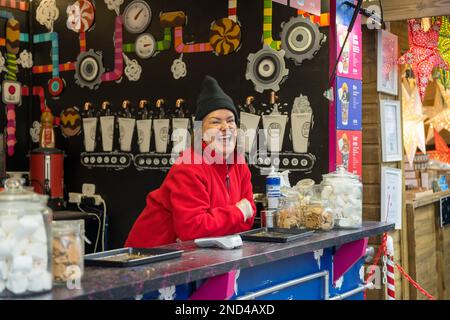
(302,269)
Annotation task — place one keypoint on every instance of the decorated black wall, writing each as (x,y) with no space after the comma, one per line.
(125,190)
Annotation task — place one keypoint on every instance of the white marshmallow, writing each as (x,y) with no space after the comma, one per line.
(326,192)
(39,280)
(39,235)
(18,246)
(17,283)
(2,234)
(9,224)
(27,226)
(47,280)
(5,248)
(2,286)
(4,270)
(37,251)
(22,264)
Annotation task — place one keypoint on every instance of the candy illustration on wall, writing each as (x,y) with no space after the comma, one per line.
(25,59)
(47,13)
(266,69)
(80,16)
(70,122)
(225,36)
(114,5)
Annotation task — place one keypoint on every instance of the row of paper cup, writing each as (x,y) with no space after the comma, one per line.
(160,128)
(274,130)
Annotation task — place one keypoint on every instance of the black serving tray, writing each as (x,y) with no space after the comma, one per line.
(275,234)
(120,257)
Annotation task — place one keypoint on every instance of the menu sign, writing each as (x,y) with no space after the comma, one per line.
(349,150)
(348,104)
(350,62)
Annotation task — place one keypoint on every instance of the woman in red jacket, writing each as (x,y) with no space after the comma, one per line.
(207,193)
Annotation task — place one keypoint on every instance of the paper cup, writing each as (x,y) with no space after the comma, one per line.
(89,129)
(107,128)
(161,128)
(126,129)
(249,126)
(274,127)
(300,127)
(144,131)
(180,134)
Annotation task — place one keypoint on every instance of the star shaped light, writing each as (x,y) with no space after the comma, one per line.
(413,127)
(441,119)
(444,39)
(442,152)
(423,54)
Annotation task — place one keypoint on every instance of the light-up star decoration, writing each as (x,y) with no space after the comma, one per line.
(413,127)
(444,39)
(442,152)
(423,54)
(441,119)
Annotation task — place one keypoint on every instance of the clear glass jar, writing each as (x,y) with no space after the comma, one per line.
(68,250)
(289,213)
(305,189)
(25,246)
(342,194)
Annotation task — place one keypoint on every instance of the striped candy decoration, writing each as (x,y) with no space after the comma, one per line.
(53,38)
(10,128)
(323,20)
(181,47)
(267,26)
(118,58)
(232,10)
(15,4)
(82,38)
(390,278)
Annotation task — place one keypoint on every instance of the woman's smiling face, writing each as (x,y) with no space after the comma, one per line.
(220,131)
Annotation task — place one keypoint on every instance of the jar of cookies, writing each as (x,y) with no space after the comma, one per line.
(25,246)
(342,193)
(289,213)
(68,251)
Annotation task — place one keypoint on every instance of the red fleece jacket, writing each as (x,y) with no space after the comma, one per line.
(194,202)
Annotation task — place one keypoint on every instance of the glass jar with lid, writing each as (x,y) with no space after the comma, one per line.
(342,193)
(25,246)
(305,188)
(317,214)
(289,213)
(68,251)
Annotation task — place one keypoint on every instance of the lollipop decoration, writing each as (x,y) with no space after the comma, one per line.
(80,16)
(225,36)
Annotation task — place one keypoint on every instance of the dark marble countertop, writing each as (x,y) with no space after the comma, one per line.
(196,264)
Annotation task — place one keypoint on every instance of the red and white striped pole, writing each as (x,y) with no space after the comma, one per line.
(390,275)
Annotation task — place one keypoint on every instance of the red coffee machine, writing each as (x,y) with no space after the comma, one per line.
(47,175)
(47,164)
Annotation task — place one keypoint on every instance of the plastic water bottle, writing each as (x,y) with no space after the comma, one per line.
(273,186)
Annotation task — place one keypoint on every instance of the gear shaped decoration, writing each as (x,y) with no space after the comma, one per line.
(266,69)
(89,69)
(301,39)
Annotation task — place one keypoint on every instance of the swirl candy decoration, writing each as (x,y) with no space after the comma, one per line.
(80,16)
(267,26)
(225,36)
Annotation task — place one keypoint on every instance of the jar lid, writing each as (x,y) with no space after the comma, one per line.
(68,227)
(341,172)
(305,184)
(14,191)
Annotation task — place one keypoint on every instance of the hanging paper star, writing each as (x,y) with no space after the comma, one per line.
(444,39)
(441,119)
(413,127)
(423,54)
(442,152)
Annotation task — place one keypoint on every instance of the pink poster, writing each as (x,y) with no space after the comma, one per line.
(349,150)
(310,6)
(350,63)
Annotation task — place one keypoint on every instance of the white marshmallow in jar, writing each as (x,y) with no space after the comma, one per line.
(342,194)
(25,246)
